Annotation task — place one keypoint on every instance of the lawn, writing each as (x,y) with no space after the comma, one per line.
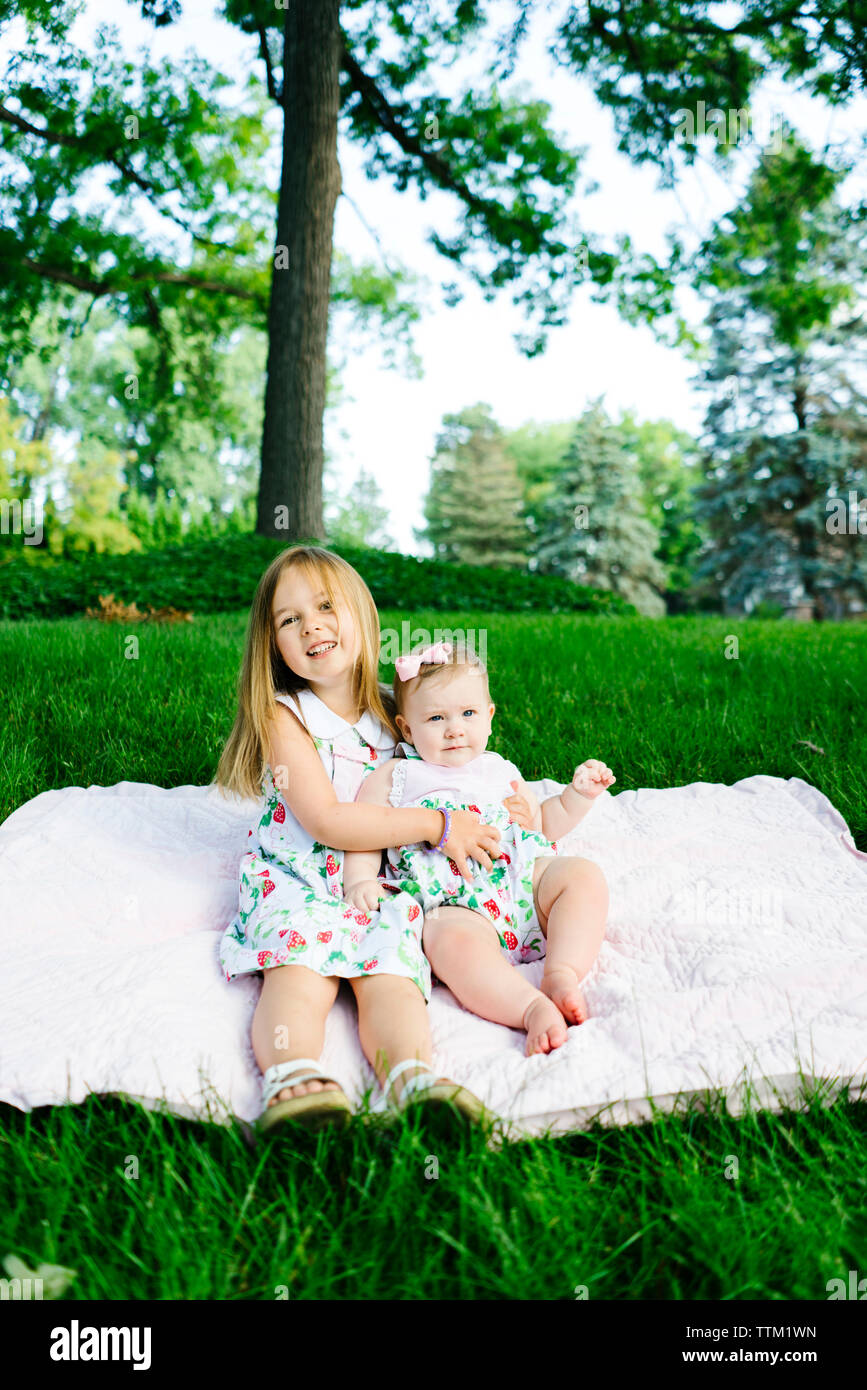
(643,1212)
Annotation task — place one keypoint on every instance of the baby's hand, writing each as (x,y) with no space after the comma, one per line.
(366,895)
(519,809)
(592,778)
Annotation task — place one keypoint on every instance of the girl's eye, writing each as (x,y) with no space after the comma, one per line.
(326,603)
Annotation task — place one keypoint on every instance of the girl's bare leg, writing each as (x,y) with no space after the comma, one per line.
(464,952)
(393,1025)
(289,1021)
(571,899)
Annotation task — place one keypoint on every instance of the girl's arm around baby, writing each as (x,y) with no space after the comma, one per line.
(360,866)
(307,791)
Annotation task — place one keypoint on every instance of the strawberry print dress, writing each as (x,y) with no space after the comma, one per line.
(291,909)
(505,894)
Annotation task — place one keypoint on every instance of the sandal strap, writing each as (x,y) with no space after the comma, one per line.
(284,1074)
(423,1082)
(399,1069)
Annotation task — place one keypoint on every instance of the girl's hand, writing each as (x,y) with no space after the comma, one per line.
(519,809)
(471,840)
(366,895)
(592,778)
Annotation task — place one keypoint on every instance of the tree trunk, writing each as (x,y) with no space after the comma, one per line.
(46,409)
(805,527)
(290,487)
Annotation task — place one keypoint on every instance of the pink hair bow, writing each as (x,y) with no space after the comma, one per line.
(408,666)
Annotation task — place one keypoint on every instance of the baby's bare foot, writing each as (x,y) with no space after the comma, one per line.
(545,1026)
(561,985)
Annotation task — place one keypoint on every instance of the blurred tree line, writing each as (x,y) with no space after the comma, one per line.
(140,299)
(745,518)
(767,511)
(602,502)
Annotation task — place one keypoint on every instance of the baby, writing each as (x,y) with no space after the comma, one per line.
(533,903)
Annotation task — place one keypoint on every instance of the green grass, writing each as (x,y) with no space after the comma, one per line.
(658,701)
(642,1212)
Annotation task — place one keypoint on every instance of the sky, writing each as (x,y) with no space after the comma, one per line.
(386,421)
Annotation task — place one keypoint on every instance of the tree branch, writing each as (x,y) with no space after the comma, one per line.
(80,281)
(409,143)
(266,56)
(75,142)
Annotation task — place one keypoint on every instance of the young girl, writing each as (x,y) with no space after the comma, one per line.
(313,721)
(534,898)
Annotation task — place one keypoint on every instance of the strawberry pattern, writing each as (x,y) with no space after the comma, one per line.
(504,894)
(291,908)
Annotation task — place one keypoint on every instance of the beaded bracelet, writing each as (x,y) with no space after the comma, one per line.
(447,831)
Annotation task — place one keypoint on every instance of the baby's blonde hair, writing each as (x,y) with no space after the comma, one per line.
(264,674)
(463,658)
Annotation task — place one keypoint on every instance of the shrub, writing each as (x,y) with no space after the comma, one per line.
(220,575)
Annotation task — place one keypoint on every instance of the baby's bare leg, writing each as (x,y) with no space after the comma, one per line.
(571,899)
(289,1021)
(464,951)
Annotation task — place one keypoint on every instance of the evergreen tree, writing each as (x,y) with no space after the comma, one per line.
(474,508)
(669,465)
(786,424)
(538,451)
(594,529)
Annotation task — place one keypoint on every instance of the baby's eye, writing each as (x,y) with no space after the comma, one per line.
(469,711)
(433,717)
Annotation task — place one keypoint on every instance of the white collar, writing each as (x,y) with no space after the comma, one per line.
(324,723)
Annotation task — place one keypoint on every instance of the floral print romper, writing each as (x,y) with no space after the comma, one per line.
(505,894)
(291,908)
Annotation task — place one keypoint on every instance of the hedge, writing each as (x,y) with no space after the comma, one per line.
(220,575)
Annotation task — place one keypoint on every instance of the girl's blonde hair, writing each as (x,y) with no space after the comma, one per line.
(264,674)
(463,657)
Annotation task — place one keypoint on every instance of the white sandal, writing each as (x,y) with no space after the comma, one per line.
(424,1088)
(315,1109)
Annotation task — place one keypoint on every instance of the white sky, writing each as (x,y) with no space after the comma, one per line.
(388,422)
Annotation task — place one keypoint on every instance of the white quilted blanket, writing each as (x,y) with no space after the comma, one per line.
(735,958)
